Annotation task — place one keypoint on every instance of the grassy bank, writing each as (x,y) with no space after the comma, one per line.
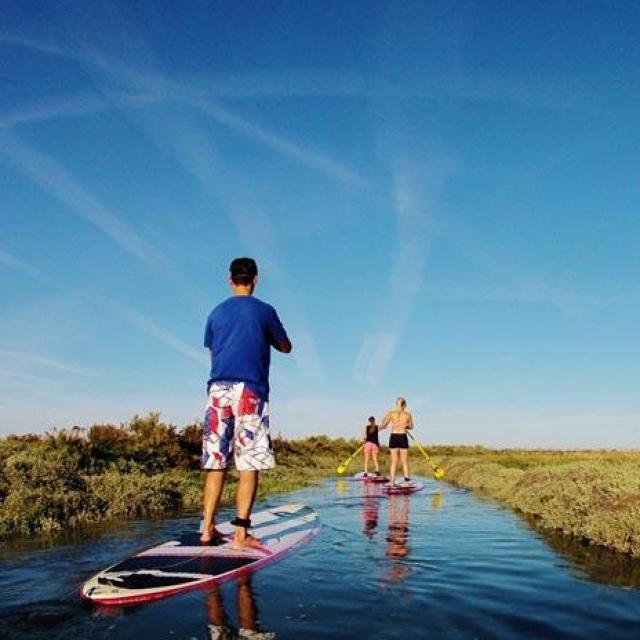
(145,467)
(593,496)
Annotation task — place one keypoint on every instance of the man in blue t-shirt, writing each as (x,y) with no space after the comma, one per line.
(239,334)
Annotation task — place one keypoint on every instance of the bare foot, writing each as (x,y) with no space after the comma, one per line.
(247,542)
(213,537)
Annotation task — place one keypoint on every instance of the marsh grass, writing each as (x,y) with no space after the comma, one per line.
(145,467)
(595,562)
(593,496)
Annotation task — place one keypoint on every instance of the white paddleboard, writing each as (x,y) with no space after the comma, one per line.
(185,563)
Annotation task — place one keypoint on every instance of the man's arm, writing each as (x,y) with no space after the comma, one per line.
(277,335)
(410,425)
(208,337)
(385,421)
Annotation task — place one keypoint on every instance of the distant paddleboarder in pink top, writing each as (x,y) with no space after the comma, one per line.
(371,445)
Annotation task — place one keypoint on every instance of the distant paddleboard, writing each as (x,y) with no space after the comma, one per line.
(403,487)
(370,477)
(185,563)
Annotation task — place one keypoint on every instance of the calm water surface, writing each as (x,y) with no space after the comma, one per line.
(437,564)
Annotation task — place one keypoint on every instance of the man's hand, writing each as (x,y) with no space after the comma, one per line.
(283,346)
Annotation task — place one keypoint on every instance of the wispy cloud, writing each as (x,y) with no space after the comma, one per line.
(78,52)
(53,178)
(59,182)
(149,327)
(416,189)
(501,279)
(143,88)
(150,89)
(21,375)
(191,144)
(281,145)
(80,104)
(44,46)
(43,361)
(130,315)
(455,83)
(14,263)
(253,225)
(537,291)
(128,88)
(375,355)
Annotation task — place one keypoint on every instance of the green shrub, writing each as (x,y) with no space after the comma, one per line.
(135,494)
(146,466)
(28,510)
(593,496)
(44,466)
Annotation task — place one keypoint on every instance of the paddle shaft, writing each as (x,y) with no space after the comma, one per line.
(347,462)
(424,453)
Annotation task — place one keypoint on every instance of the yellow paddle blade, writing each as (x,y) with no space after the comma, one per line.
(438,472)
(343,467)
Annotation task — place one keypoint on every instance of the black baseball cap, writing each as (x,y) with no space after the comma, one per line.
(245,268)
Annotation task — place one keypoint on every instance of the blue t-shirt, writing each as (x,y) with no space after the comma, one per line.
(240,333)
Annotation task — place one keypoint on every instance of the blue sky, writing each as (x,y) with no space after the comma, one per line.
(442,199)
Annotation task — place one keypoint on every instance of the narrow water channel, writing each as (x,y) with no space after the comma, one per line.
(437,564)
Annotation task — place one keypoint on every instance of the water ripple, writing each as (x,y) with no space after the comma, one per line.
(438,564)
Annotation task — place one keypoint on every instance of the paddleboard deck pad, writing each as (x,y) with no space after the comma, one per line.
(409,486)
(370,477)
(185,563)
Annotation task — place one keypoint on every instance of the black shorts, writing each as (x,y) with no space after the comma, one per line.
(398,441)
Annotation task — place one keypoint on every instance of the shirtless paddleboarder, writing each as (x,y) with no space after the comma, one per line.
(400,421)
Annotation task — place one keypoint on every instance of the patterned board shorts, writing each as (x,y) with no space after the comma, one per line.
(236,422)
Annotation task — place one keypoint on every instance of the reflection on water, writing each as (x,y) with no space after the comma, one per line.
(220,626)
(370,510)
(397,548)
(398,537)
(342,488)
(398,526)
(123,530)
(467,566)
(595,563)
(437,500)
